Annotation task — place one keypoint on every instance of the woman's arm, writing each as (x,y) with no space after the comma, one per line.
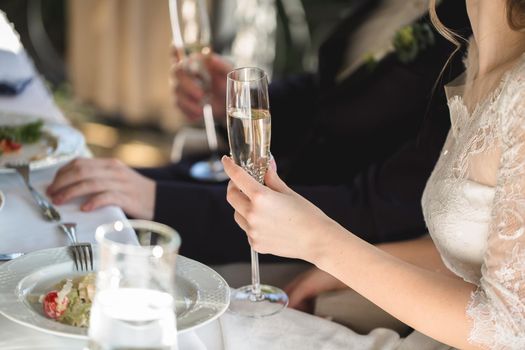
(421,252)
(307,286)
(429,301)
(280,222)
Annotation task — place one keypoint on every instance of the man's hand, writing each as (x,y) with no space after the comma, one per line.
(104,182)
(189,92)
(303,290)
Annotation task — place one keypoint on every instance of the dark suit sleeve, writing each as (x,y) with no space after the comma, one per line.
(293,104)
(203,219)
(382,203)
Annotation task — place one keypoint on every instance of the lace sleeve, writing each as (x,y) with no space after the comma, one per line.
(497,307)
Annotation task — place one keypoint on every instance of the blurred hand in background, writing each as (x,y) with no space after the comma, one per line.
(188,89)
(104,181)
(306,287)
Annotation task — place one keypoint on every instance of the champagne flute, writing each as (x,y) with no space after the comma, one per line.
(191,37)
(249,133)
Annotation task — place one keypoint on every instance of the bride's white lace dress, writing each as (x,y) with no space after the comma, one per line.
(474,206)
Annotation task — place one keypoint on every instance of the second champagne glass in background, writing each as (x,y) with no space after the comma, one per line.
(192,37)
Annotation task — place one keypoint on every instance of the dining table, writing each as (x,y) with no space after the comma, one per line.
(24,230)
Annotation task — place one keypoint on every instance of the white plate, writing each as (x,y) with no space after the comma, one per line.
(202,295)
(59,144)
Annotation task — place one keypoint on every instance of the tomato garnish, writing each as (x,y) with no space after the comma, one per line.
(8,146)
(51,307)
(15,146)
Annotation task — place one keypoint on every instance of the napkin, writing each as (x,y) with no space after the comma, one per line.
(15,74)
(18,74)
(13,87)
(190,341)
(291,329)
(14,336)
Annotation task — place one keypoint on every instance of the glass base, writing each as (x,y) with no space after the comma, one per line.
(271,301)
(208,170)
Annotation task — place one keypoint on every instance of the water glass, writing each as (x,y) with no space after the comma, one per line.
(134,304)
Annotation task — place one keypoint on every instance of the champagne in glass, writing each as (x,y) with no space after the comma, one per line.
(249,133)
(250,140)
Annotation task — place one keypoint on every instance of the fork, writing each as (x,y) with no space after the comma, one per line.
(48,210)
(82,252)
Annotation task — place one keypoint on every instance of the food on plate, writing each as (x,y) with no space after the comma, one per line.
(70,301)
(13,137)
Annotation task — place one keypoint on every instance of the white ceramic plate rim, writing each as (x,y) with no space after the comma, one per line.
(70,144)
(189,269)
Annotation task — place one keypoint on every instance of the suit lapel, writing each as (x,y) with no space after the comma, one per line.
(363,73)
(331,52)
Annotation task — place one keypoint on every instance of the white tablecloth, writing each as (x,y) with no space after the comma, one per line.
(22,227)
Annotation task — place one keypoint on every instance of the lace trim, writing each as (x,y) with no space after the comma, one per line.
(497,308)
(489,144)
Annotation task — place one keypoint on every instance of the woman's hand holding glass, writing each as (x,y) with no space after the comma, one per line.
(276,219)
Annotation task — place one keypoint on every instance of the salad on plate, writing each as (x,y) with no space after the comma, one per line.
(13,137)
(70,301)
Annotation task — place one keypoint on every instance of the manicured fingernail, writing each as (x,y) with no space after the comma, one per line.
(86,207)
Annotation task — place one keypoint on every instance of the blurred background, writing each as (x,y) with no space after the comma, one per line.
(107,62)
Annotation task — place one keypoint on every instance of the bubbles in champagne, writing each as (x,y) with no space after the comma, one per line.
(249,132)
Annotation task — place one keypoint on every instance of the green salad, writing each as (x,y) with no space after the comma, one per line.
(13,137)
(26,133)
(70,302)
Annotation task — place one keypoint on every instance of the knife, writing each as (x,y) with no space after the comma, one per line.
(10,256)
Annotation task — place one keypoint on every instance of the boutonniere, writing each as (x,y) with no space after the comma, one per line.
(412,40)
(408,43)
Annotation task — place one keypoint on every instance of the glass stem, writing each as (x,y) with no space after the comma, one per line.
(256,280)
(211,136)
(209,125)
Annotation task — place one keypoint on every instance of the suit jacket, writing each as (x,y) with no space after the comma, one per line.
(361,150)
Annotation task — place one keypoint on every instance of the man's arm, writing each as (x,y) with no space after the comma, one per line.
(382,203)
(293,104)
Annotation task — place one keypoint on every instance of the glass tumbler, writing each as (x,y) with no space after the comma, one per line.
(134,304)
